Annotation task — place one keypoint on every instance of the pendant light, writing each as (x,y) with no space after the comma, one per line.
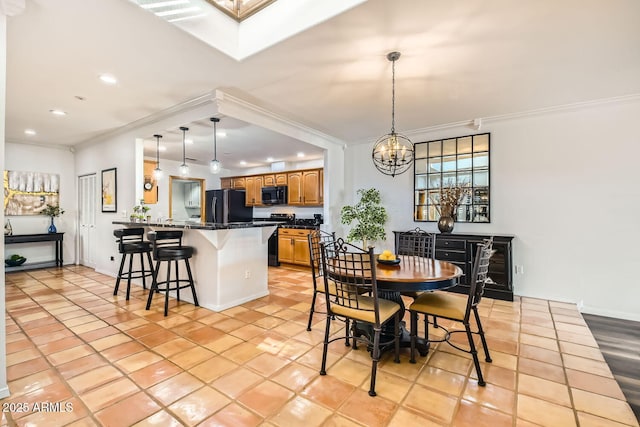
(393,153)
(214,166)
(184,168)
(157,172)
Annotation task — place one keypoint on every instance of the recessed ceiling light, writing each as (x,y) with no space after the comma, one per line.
(162,148)
(29,131)
(188,141)
(242,162)
(221,133)
(108,79)
(163,4)
(269,159)
(57,112)
(301,154)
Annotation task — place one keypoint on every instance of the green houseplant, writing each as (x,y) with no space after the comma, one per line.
(369,216)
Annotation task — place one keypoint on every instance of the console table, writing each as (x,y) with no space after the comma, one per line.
(56,238)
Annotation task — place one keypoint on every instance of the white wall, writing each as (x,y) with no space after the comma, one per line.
(33,158)
(565,184)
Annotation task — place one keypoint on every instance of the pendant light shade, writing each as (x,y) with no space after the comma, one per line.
(214,166)
(157,172)
(184,168)
(393,153)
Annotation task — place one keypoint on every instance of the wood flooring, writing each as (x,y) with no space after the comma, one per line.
(619,342)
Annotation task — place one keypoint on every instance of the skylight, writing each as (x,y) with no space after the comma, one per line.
(240,9)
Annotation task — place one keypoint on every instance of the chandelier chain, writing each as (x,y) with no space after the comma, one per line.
(393,96)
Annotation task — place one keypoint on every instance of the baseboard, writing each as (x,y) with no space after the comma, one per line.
(4,392)
(611,313)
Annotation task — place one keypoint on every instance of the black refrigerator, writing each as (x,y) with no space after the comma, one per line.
(224,206)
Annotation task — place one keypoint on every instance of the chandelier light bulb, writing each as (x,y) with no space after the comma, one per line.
(184,169)
(214,166)
(157,172)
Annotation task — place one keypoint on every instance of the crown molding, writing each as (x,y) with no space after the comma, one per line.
(40,144)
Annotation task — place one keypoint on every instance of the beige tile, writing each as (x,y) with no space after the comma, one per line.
(587,365)
(544,389)
(108,394)
(233,415)
(405,418)
(441,380)
(430,403)
(266,398)
(237,382)
(590,420)
(472,414)
(538,341)
(199,405)
(603,406)
(490,396)
(361,407)
(301,411)
(595,383)
(544,413)
(176,387)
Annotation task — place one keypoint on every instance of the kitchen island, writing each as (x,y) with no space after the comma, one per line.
(229,264)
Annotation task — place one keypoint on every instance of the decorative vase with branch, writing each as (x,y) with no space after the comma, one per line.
(450,198)
(369,217)
(52,211)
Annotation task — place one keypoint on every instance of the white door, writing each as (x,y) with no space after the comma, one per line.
(87,218)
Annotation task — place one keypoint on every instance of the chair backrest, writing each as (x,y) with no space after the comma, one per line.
(315,238)
(352,271)
(479,274)
(164,239)
(416,242)
(128,235)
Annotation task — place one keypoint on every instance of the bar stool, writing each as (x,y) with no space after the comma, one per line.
(167,247)
(130,242)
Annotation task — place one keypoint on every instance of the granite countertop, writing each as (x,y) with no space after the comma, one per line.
(200,225)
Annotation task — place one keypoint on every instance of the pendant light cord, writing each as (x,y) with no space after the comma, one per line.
(215,142)
(393,97)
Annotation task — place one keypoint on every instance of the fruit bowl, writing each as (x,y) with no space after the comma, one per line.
(389,261)
(14,262)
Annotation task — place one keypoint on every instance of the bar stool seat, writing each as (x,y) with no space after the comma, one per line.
(130,242)
(167,247)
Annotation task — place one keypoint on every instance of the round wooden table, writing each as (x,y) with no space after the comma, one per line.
(413,274)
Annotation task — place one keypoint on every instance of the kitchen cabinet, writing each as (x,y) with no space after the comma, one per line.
(293,246)
(304,187)
(225,183)
(192,193)
(253,186)
(269,180)
(460,249)
(281,179)
(238,182)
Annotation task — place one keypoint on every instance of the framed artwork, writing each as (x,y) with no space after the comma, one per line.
(28,193)
(109,190)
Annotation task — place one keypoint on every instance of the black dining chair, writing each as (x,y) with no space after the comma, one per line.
(316,238)
(352,272)
(448,306)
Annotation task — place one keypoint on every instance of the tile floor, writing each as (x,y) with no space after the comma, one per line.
(78,356)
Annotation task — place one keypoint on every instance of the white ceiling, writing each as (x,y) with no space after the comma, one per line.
(460,60)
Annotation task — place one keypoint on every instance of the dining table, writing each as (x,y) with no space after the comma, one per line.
(413,274)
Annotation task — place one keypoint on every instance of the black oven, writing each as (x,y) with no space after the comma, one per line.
(274,195)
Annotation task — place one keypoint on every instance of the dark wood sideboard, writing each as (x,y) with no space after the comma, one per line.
(460,249)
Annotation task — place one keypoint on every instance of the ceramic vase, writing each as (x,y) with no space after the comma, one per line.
(445,224)
(52,227)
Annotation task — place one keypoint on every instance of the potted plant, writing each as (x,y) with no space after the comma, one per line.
(52,211)
(369,216)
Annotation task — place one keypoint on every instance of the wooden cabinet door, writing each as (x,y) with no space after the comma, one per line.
(321,186)
(257,190)
(281,179)
(311,187)
(237,183)
(294,180)
(269,180)
(285,246)
(301,249)
(249,186)
(225,183)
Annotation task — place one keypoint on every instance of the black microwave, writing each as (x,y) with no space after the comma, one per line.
(274,195)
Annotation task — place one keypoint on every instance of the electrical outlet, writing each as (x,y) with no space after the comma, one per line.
(247,274)
(111,258)
(519,269)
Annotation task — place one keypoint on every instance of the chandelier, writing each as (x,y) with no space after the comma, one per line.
(157,172)
(184,168)
(393,153)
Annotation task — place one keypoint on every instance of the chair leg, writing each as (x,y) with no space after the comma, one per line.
(481,333)
(313,304)
(375,356)
(346,334)
(413,333)
(325,346)
(154,285)
(144,278)
(474,354)
(151,269)
(177,280)
(193,286)
(115,290)
(354,327)
(129,276)
(166,295)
